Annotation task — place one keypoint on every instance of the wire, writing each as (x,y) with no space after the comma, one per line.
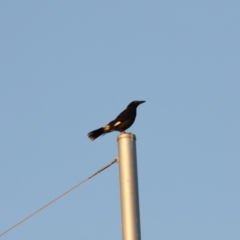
(55,199)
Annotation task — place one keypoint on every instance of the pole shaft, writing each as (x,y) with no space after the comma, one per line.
(129,186)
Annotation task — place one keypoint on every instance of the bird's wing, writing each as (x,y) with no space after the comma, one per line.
(120,118)
(123,115)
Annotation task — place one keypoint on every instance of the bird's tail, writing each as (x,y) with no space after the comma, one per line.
(96,133)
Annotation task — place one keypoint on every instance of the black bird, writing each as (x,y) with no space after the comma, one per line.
(122,122)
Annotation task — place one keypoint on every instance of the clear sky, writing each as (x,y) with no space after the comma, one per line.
(69,67)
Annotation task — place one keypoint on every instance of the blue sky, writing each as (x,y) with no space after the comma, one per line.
(69,67)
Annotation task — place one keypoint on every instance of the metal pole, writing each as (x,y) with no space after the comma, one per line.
(129,186)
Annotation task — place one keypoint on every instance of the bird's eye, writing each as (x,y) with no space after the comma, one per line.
(136,101)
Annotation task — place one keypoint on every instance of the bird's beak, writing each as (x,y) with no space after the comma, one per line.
(140,102)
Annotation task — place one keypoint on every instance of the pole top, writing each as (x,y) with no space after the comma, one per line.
(126,135)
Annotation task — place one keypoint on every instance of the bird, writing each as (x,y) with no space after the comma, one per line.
(122,122)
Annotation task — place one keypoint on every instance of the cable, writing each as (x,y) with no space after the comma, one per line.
(55,199)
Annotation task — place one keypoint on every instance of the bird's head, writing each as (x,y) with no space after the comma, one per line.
(135,104)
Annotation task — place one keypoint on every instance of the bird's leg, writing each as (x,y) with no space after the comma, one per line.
(123,131)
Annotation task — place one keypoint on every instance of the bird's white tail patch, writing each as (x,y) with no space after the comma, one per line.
(106,128)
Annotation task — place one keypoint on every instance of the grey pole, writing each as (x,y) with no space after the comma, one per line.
(129,186)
